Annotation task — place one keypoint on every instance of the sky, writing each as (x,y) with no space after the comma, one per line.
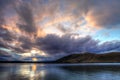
(40,30)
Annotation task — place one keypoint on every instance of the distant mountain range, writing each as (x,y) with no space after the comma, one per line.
(90,58)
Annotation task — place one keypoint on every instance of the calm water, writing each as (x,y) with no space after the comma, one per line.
(95,71)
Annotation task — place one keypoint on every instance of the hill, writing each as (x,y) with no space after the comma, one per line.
(90,58)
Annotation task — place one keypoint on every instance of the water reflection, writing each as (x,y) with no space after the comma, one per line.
(57,72)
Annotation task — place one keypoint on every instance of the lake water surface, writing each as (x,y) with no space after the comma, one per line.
(84,71)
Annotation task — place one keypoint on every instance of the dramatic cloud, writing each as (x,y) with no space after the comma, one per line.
(110,46)
(26,43)
(26,16)
(54,44)
(63,16)
(59,26)
(97,13)
(4,56)
(103,13)
(5,34)
(2,44)
(3,5)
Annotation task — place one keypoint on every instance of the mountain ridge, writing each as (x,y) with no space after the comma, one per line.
(90,58)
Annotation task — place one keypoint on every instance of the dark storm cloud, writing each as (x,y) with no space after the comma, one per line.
(53,44)
(26,18)
(5,34)
(107,46)
(6,37)
(18,50)
(66,44)
(26,43)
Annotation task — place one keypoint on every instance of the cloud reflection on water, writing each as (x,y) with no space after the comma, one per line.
(57,72)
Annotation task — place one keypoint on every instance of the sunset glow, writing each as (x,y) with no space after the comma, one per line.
(34,59)
(43,29)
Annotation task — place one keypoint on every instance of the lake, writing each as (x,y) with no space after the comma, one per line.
(83,71)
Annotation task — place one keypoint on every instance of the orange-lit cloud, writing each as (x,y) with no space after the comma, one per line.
(24,23)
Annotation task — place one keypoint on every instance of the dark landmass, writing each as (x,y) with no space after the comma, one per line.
(91,58)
